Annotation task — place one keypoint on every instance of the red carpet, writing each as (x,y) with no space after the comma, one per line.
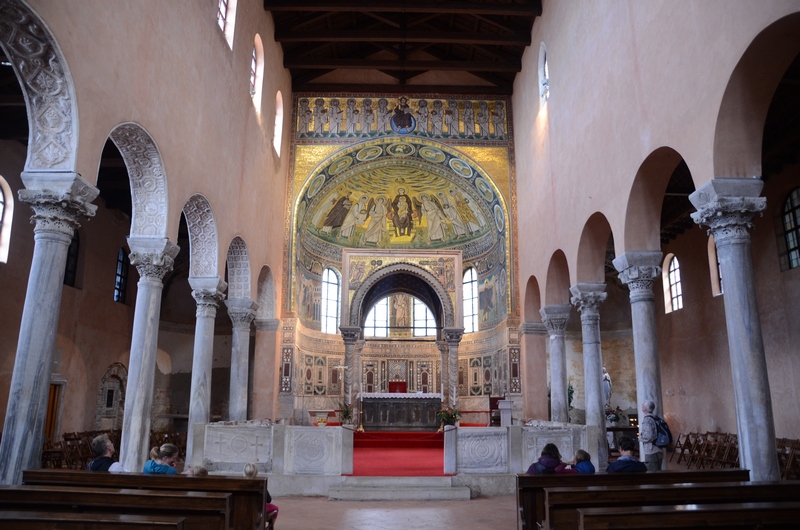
(398,454)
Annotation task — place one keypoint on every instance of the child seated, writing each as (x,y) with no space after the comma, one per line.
(583,462)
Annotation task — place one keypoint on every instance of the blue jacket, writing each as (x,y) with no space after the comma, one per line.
(626,464)
(584,467)
(153,468)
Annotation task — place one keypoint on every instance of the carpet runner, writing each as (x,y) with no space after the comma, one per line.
(398,454)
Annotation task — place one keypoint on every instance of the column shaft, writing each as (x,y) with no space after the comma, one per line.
(266,370)
(242,312)
(350,334)
(453,338)
(555,318)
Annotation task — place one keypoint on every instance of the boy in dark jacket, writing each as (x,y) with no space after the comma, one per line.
(626,463)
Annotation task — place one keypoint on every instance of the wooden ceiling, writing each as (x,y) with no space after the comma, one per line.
(452,46)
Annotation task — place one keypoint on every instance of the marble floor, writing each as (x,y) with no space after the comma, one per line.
(309,513)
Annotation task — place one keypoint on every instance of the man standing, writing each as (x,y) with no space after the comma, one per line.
(648,432)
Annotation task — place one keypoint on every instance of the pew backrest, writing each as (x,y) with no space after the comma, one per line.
(248,494)
(42,520)
(531,498)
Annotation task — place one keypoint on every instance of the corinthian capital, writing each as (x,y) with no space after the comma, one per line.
(638,268)
(242,312)
(453,335)
(727,207)
(207,292)
(586,297)
(555,318)
(58,200)
(152,257)
(350,334)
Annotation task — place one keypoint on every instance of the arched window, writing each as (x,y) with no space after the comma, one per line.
(424,323)
(6,216)
(673,293)
(257,73)
(544,75)
(791,227)
(226,16)
(277,131)
(470,300)
(377,323)
(71,269)
(331,297)
(121,277)
(714,270)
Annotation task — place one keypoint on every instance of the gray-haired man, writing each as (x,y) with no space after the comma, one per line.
(652,455)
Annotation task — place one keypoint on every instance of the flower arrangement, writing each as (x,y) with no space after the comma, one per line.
(346,412)
(448,416)
(613,415)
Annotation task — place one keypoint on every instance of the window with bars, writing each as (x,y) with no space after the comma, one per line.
(470,284)
(675,291)
(253,71)
(222,14)
(331,296)
(424,323)
(791,227)
(377,323)
(121,277)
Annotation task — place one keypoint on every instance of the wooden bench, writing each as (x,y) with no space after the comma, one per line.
(562,504)
(202,510)
(39,520)
(530,488)
(783,515)
(248,495)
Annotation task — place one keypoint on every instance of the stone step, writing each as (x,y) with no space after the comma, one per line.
(399,493)
(404,482)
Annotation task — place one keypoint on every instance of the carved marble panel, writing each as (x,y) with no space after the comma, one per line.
(482,450)
(230,445)
(313,451)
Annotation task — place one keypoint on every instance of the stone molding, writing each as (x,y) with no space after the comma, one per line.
(555,318)
(202,235)
(242,312)
(147,178)
(587,296)
(264,324)
(44,78)
(727,207)
(532,328)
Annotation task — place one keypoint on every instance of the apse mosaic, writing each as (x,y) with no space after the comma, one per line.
(477,120)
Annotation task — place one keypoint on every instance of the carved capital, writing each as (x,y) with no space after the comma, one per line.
(207,302)
(586,297)
(727,207)
(57,212)
(555,318)
(242,312)
(453,335)
(350,334)
(153,264)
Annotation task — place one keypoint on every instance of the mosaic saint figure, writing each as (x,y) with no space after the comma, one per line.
(320,117)
(468,117)
(422,119)
(432,210)
(355,217)
(483,119)
(465,212)
(400,311)
(486,300)
(437,116)
(384,115)
(499,120)
(451,118)
(336,117)
(351,115)
(402,208)
(402,115)
(451,212)
(337,214)
(377,220)
(304,118)
(367,117)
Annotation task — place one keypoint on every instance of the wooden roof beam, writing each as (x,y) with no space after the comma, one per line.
(376,64)
(531,8)
(438,37)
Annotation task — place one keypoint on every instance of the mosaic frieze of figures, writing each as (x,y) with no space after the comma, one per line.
(344,117)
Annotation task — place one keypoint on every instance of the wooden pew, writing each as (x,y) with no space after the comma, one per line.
(248,495)
(783,515)
(201,510)
(562,504)
(530,488)
(39,520)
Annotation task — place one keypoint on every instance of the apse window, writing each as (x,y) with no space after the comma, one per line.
(257,73)
(424,323)
(329,314)
(544,75)
(226,14)
(377,323)
(791,228)
(121,277)
(673,293)
(6,214)
(470,282)
(277,130)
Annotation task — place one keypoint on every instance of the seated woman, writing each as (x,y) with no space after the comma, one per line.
(550,462)
(270,510)
(162,460)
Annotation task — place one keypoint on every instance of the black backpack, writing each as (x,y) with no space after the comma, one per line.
(664,437)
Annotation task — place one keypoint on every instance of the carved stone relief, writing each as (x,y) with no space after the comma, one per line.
(238,269)
(202,236)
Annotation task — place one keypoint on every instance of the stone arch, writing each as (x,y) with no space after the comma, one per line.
(265,295)
(238,269)
(357,309)
(591,266)
(738,138)
(643,215)
(533,301)
(149,197)
(203,243)
(558,284)
(110,402)
(47,85)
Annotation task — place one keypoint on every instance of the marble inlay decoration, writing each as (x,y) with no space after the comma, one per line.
(202,236)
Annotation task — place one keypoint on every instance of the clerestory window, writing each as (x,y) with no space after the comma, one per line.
(470,286)
(331,298)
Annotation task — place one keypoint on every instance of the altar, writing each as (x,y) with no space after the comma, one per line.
(400,411)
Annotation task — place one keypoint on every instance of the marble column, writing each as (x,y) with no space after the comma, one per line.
(727,207)
(555,318)
(351,335)
(207,292)
(58,200)
(586,297)
(242,311)
(453,338)
(153,258)
(637,269)
(266,369)
(534,369)
(444,383)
